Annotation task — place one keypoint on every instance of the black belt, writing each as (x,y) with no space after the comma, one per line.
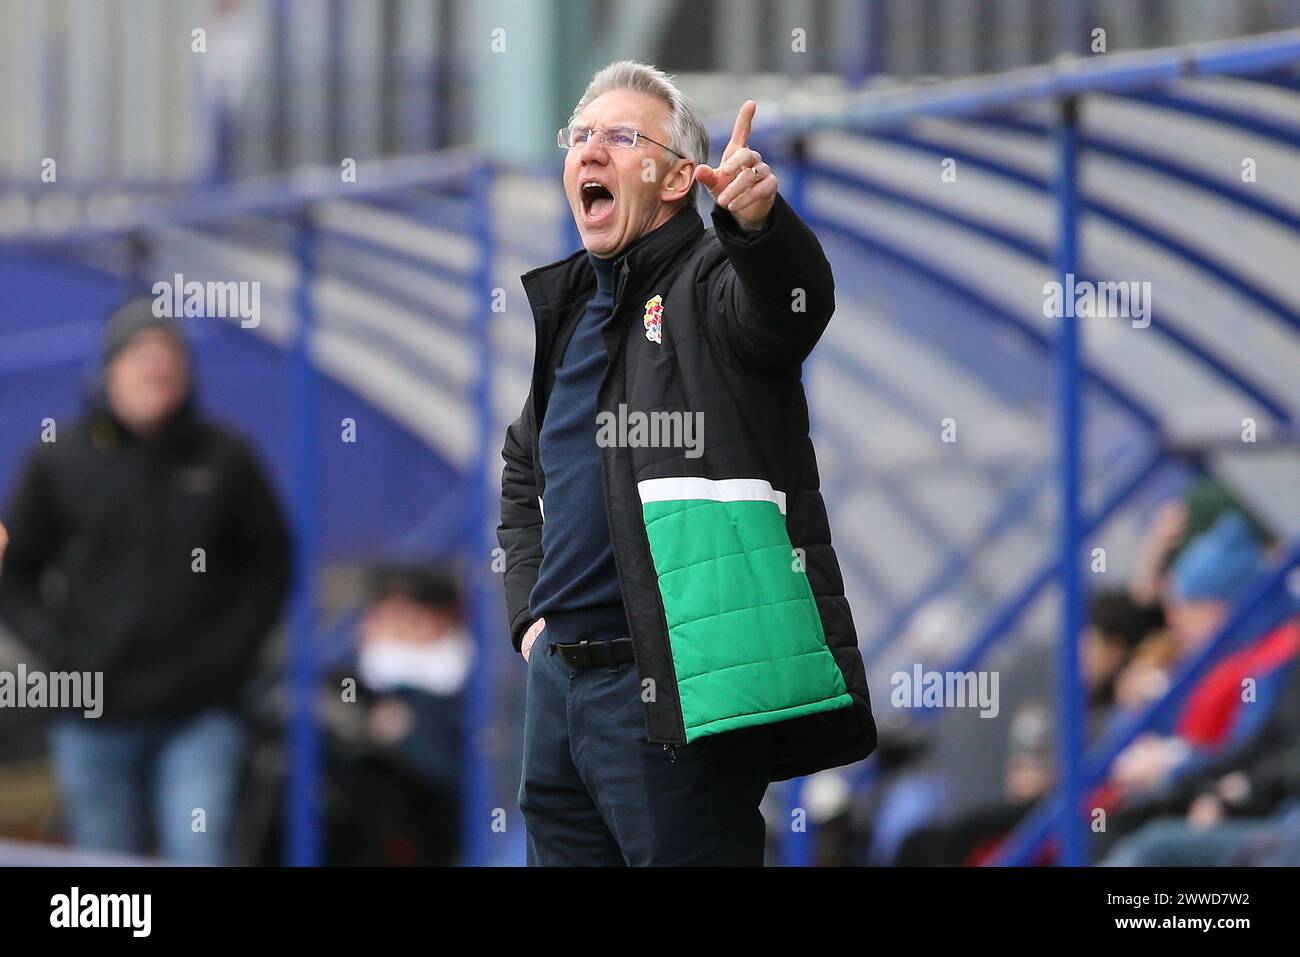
(595,654)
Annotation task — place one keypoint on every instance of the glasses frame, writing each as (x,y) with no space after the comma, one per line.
(561,135)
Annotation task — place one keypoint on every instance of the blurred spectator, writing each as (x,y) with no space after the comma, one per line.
(396,766)
(1116,626)
(1147,673)
(1209,499)
(1242,792)
(1163,536)
(147,545)
(1207,577)
(1276,844)
(226,72)
(1130,657)
(1196,595)
(1233,742)
(1176,524)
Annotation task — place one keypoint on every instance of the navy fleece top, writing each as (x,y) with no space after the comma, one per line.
(577,570)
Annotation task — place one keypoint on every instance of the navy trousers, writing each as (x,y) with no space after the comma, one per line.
(595,792)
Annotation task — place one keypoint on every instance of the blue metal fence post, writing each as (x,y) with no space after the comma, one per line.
(302,846)
(477,819)
(1071,830)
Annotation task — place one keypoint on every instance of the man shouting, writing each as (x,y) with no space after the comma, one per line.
(682,615)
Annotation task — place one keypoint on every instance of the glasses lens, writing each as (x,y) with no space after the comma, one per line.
(579,135)
(621,136)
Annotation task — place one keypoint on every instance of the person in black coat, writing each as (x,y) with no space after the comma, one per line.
(148,553)
(668,568)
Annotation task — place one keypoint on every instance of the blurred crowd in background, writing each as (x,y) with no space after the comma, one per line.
(183,760)
(1216,783)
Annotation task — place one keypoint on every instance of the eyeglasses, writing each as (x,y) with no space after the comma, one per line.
(619,137)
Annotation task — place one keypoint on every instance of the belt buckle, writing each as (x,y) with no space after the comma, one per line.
(611,654)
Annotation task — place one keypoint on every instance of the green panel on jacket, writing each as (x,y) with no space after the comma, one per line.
(746,637)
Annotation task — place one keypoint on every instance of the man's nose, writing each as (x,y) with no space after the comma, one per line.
(594,150)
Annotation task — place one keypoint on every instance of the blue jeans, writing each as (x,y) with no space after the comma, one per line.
(595,792)
(128,785)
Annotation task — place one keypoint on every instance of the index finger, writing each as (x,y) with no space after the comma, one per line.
(740,134)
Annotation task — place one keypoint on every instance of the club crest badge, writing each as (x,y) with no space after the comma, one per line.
(654,319)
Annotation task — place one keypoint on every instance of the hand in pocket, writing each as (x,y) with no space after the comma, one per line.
(531,635)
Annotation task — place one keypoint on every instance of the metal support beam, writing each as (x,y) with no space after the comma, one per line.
(1072,834)
(481,585)
(302,846)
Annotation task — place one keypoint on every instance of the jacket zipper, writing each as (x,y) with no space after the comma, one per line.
(619,285)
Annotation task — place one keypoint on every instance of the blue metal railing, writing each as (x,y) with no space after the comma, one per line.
(303,794)
(987,306)
(1286,133)
(1069,405)
(1195,349)
(478,793)
(1169,167)
(1071,832)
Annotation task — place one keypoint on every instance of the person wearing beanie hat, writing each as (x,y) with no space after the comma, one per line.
(134,316)
(1208,578)
(1180,522)
(145,376)
(1218,563)
(1208,575)
(1205,502)
(173,557)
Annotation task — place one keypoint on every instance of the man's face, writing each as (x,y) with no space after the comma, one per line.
(639,189)
(401,620)
(147,380)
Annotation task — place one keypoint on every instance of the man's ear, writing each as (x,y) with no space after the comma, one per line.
(677,184)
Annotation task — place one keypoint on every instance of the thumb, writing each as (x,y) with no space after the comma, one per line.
(707,176)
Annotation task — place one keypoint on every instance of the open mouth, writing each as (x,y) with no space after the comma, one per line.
(597,202)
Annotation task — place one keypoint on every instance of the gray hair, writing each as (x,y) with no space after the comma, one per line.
(687,134)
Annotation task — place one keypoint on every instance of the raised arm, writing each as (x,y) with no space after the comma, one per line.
(773,304)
